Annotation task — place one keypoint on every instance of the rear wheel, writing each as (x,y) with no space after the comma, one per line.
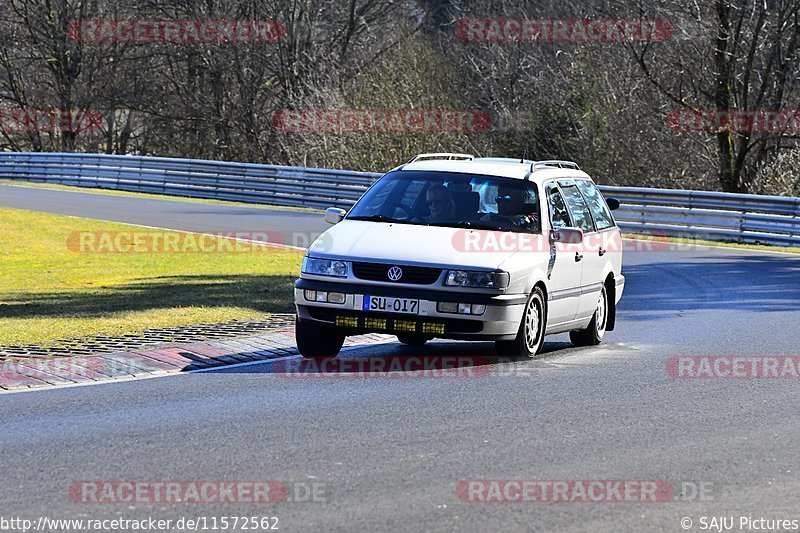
(593,334)
(316,341)
(413,339)
(530,336)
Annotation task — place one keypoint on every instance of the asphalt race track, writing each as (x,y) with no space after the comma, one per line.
(390,450)
(283,226)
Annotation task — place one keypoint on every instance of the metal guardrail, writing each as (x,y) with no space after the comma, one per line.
(242,182)
(689,214)
(742,218)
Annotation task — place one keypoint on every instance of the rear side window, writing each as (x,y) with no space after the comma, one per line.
(577,206)
(559,215)
(597,205)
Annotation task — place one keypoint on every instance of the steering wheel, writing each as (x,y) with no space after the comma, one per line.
(502,219)
(407,210)
(514,220)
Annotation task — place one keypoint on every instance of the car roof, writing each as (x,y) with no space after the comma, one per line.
(537,172)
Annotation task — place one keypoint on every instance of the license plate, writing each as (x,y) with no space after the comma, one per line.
(391,305)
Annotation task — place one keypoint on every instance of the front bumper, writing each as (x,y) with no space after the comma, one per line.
(500,321)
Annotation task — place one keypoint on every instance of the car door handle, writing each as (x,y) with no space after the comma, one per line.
(602,252)
(578,257)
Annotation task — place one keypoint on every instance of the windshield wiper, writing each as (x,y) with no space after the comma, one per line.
(464,224)
(379,218)
(477,225)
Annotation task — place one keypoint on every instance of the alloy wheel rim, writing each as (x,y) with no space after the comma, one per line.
(532,325)
(601,313)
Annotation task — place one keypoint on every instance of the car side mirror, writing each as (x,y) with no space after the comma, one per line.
(334,215)
(567,235)
(613,203)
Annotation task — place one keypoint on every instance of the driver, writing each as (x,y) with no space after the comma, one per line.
(440,204)
(511,207)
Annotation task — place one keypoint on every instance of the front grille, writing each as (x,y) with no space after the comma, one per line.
(414,275)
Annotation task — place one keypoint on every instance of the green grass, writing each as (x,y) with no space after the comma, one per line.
(149,195)
(699,242)
(49,292)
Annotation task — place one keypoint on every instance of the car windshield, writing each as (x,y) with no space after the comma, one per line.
(451,199)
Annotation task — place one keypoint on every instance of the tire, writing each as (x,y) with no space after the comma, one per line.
(530,336)
(594,333)
(412,339)
(317,342)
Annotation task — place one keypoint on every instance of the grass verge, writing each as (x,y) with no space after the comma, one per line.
(55,286)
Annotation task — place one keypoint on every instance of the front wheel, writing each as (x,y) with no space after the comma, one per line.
(593,334)
(530,337)
(316,341)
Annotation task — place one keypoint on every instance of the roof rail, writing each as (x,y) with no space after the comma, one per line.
(509,160)
(543,165)
(445,156)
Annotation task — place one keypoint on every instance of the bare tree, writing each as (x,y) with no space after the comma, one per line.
(744,58)
(603,104)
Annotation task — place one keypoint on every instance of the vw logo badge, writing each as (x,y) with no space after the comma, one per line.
(395,273)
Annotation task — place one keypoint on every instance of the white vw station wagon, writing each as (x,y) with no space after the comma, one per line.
(457,247)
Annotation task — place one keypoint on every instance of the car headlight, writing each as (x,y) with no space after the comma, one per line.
(324,267)
(482,280)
